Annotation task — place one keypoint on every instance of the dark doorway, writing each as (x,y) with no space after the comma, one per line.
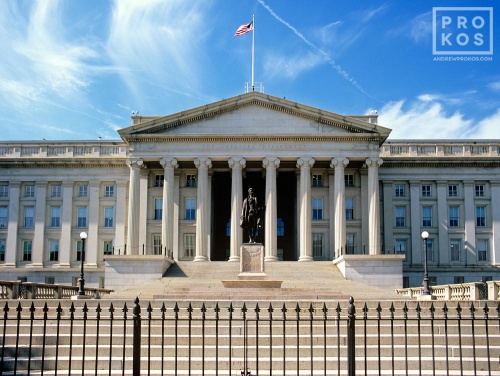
(221,210)
(287,202)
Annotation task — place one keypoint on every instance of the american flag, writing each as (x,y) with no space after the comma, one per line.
(243,29)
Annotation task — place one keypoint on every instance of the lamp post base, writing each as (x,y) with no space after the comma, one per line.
(426,297)
(80,297)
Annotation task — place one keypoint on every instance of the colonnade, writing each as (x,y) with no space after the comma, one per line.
(271,165)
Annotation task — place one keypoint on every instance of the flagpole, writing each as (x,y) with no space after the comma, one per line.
(253,47)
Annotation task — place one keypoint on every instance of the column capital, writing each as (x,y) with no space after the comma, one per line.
(270,160)
(305,161)
(169,162)
(374,162)
(203,163)
(237,162)
(339,162)
(135,162)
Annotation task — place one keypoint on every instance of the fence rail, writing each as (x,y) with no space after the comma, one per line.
(399,338)
(458,292)
(33,290)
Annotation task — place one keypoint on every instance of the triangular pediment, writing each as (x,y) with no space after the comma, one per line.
(252,114)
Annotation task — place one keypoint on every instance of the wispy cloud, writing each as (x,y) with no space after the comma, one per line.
(318,50)
(289,67)
(428,118)
(418,29)
(158,42)
(495,86)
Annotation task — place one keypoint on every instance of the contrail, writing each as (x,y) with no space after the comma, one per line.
(325,55)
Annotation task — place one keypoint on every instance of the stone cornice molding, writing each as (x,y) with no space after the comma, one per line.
(388,163)
(65,164)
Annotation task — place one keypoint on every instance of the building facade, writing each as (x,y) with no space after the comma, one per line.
(332,185)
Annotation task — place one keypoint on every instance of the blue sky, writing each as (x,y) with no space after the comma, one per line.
(74,70)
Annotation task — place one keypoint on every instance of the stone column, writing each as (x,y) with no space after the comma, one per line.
(470,223)
(202,209)
(417,256)
(120,214)
(443,223)
(92,243)
(495,218)
(133,206)
(13,224)
(167,223)
(339,191)
(65,244)
(143,211)
(305,225)
(373,206)
(271,238)
(39,235)
(331,214)
(237,165)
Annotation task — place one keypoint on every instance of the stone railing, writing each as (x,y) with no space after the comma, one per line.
(32,290)
(440,148)
(458,292)
(81,149)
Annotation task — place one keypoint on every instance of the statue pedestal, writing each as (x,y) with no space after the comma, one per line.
(252,273)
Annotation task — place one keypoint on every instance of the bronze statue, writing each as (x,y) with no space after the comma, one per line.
(250,216)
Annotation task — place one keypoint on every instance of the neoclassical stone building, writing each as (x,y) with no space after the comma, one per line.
(173,187)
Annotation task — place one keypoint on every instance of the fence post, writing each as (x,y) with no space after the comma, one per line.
(136,347)
(351,341)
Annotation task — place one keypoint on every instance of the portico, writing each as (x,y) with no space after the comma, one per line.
(202,155)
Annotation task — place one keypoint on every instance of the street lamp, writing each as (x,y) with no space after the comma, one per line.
(425,235)
(81,281)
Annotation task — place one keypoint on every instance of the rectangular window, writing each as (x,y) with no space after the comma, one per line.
(108,217)
(158,208)
(4,191)
(27,247)
(228,228)
(349,209)
(426,191)
(317,180)
(479,190)
(82,217)
(453,190)
(29,216)
(159,180)
(29,191)
(280,227)
(189,244)
(455,250)
(482,250)
(2,250)
(454,216)
(49,280)
(56,191)
(349,244)
(55,218)
(426,216)
(317,208)
(480,216)
(156,244)
(83,190)
(107,247)
(400,216)
(190,208)
(430,250)
(109,191)
(400,247)
(458,280)
(54,250)
(191,181)
(317,245)
(79,250)
(3,216)
(399,190)
(349,180)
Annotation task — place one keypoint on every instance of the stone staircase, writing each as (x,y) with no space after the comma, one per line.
(302,281)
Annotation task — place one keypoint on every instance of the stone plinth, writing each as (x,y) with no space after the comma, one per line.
(382,271)
(252,273)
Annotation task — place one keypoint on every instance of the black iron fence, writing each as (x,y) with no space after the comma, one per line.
(166,338)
